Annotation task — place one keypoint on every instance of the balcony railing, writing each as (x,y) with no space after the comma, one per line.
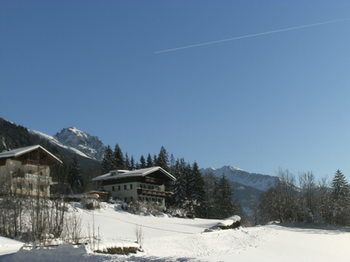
(152,192)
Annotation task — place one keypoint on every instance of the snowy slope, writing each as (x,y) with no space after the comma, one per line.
(176,239)
(56,142)
(254,180)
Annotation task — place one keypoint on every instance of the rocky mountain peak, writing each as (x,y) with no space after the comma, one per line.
(82,141)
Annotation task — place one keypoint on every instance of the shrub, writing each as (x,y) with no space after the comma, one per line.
(145,208)
(178,212)
(90,203)
(119,250)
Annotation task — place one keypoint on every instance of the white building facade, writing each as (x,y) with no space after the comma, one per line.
(145,185)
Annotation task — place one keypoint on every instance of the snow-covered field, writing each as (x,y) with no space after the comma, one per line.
(8,246)
(176,239)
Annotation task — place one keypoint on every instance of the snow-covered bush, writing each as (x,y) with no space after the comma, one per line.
(90,203)
(72,230)
(229,223)
(145,208)
(177,212)
(31,219)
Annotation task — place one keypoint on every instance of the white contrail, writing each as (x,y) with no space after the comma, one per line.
(250,36)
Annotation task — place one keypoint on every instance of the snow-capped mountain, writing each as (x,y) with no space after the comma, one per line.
(14,136)
(236,175)
(53,140)
(89,145)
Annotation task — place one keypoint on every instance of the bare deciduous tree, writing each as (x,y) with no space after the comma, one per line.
(72,232)
(139,235)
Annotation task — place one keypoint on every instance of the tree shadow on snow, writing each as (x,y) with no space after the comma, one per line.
(141,259)
(157,259)
(98,258)
(315,228)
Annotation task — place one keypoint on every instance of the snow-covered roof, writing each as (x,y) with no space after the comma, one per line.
(23,150)
(116,174)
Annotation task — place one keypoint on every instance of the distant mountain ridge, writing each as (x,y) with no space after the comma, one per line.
(258,181)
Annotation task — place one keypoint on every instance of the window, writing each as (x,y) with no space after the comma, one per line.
(125,199)
(130,186)
(131,199)
(118,188)
(112,188)
(124,187)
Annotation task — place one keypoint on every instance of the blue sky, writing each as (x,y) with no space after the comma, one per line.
(280,100)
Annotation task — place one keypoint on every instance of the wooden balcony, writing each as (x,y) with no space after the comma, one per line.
(152,192)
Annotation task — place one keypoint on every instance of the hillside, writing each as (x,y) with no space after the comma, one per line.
(258,181)
(247,197)
(247,187)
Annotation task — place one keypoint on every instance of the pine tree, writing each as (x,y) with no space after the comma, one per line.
(127,165)
(340,186)
(172,161)
(142,162)
(341,199)
(198,191)
(210,185)
(149,161)
(74,176)
(162,159)
(118,158)
(179,197)
(60,174)
(223,199)
(184,188)
(155,160)
(132,163)
(107,163)
(190,199)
